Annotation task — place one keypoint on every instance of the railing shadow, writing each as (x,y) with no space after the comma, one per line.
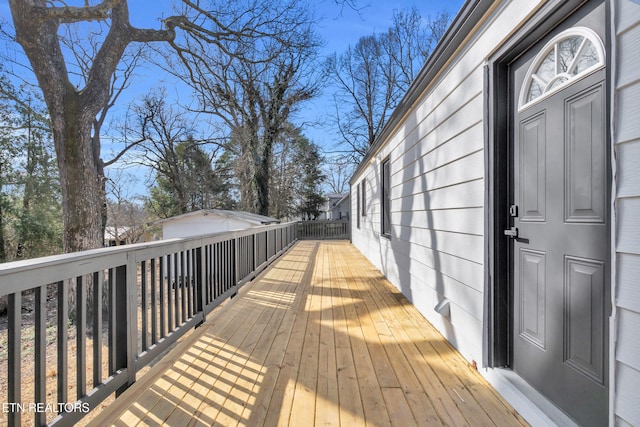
(320,341)
(103,315)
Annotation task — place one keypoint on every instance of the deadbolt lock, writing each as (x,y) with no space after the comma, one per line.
(512,232)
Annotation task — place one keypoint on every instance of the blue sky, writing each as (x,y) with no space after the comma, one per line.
(338,26)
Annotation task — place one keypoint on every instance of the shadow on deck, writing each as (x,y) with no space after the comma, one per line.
(319,338)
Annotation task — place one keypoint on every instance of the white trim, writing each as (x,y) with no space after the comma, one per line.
(533,406)
(585,32)
(613,319)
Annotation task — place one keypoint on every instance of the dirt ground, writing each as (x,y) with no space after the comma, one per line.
(27,363)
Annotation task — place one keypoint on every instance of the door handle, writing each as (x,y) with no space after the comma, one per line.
(512,232)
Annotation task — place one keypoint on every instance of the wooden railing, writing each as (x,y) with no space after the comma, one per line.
(321,230)
(84,324)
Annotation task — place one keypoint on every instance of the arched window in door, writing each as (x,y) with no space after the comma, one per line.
(569,56)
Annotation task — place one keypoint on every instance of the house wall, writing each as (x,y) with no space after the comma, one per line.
(199,225)
(341,210)
(626,141)
(436,249)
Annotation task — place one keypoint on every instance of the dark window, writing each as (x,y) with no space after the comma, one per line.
(386,198)
(358,206)
(364,198)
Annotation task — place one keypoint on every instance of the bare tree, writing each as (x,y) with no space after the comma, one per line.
(254,88)
(74,110)
(338,170)
(409,42)
(371,77)
(126,219)
(181,160)
(366,92)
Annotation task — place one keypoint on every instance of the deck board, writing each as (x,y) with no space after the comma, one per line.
(319,338)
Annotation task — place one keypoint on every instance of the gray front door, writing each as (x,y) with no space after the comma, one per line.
(561,219)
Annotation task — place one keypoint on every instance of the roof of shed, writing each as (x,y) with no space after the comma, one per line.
(222,213)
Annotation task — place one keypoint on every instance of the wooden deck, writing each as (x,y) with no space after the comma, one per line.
(320,338)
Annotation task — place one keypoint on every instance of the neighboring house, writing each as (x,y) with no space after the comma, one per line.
(115,237)
(125,235)
(341,209)
(330,200)
(503,200)
(209,221)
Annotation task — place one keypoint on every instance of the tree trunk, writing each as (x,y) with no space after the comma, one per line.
(82,187)
(3,254)
(261,178)
(81,177)
(73,111)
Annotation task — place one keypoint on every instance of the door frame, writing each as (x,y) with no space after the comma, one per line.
(498,296)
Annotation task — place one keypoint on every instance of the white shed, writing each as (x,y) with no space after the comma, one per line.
(503,200)
(209,221)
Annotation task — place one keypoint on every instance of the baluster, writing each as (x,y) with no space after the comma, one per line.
(98,279)
(14,393)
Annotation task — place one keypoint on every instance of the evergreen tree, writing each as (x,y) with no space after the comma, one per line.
(188,183)
(30,208)
(311,197)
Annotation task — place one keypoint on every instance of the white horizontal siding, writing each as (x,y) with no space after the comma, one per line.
(628,54)
(628,157)
(432,267)
(626,401)
(465,221)
(444,123)
(465,246)
(628,348)
(626,14)
(436,250)
(462,195)
(626,137)
(628,295)
(628,101)
(424,159)
(628,240)
(468,168)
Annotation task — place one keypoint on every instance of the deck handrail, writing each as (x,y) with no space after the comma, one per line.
(151,294)
(324,229)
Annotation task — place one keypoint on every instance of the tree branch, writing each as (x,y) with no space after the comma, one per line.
(69,14)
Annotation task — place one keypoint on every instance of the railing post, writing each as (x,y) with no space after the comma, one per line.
(200,264)
(132,308)
(119,306)
(125,308)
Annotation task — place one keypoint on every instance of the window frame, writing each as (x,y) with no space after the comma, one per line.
(363,204)
(588,35)
(358,206)
(385,198)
